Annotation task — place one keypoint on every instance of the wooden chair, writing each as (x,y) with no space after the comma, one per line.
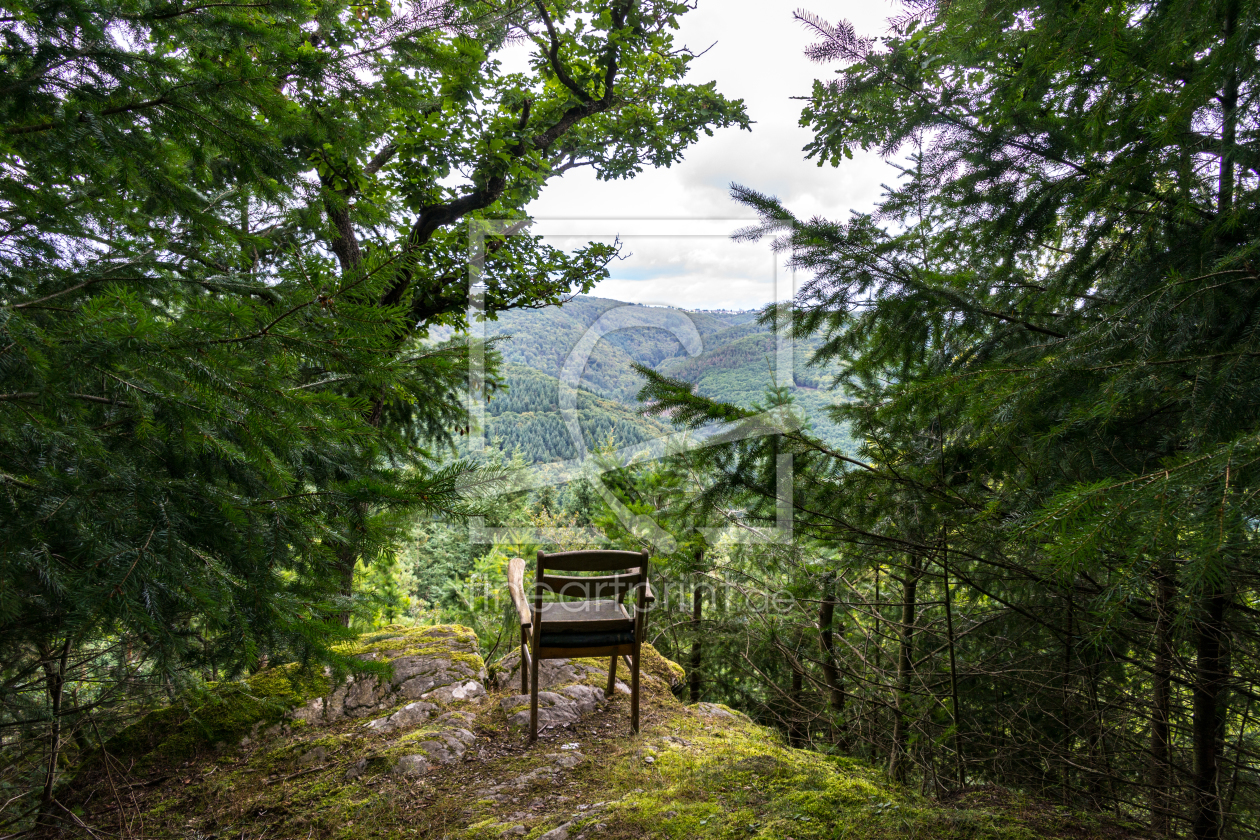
(595,625)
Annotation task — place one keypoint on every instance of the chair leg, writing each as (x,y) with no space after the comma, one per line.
(612,676)
(524,674)
(634,691)
(533,697)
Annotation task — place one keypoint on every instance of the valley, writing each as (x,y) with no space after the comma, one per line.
(727,356)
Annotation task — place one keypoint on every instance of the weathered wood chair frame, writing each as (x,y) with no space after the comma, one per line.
(591,627)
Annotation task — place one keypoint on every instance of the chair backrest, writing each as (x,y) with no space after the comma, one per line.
(634,566)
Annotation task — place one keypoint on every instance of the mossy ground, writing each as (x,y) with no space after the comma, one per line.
(688,774)
(227,712)
(223,712)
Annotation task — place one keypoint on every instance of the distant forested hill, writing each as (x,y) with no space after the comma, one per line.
(734,363)
(738,369)
(543,339)
(526,419)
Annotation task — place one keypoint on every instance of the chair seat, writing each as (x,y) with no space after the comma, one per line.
(579,639)
(584,616)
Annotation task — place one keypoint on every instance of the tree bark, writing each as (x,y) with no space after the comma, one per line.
(899,760)
(55,682)
(1228,805)
(831,675)
(879,613)
(1211,651)
(795,737)
(344,243)
(1161,805)
(1069,642)
(693,682)
(1209,687)
(1229,117)
(347,559)
(1094,735)
(953,663)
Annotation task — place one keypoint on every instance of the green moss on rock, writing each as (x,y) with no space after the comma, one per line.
(294,753)
(651,662)
(220,713)
(227,712)
(727,777)
(398,640)
(449,641)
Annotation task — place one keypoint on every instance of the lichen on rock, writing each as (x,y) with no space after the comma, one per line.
(589,670)
(437,664)
(566,705)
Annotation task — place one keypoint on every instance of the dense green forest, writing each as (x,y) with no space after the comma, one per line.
(525,419)
(734,361)
(543,340)
(1018,550)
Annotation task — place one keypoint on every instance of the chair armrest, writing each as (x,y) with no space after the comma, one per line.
(641,615)
(516,587)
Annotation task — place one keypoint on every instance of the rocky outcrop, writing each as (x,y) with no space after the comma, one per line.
(432,666)
(444,743)
(555,708)
(716,710)
(420,748)
(429,673)
(554,673)
(569,689)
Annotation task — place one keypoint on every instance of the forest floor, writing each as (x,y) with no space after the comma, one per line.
(457,764)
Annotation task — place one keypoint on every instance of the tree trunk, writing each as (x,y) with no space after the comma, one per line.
(1229,117)
(1069,642)
(953,664)
(697,649)
(1161,805)
(879,647)
(347,557)
(899,760)
(349,554)
(795,737)
(1094,736)
(1209,687)
(1211,654)
(55,682)
(344,244)
(1239,761)
(831,675)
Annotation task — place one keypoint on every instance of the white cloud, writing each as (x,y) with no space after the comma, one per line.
(758,57)
(679,262)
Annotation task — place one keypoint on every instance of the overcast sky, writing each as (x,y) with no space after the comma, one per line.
(676,222)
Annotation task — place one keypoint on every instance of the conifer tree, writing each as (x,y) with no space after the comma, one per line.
(1048,331)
